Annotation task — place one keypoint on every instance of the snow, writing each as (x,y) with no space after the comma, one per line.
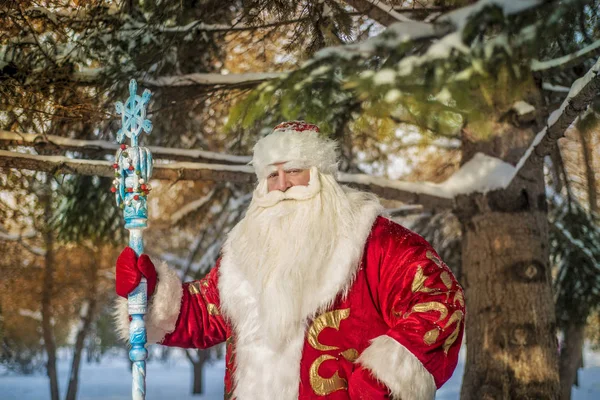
(578,244)
(191,207)
(537,65)
(460,17)
(577,86)
(157,151)
(480,174)
(389,10)
(110,380)
(523,108)
(555,88)
(212,79)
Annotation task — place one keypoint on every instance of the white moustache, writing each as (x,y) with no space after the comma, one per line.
(274,197)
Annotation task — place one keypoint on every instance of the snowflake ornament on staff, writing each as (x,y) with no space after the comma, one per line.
(133,168)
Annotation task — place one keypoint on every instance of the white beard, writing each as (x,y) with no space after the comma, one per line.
(289,258)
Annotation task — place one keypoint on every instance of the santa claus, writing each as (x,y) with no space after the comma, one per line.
(315,294)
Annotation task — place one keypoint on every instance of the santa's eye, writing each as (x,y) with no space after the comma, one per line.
(272,176)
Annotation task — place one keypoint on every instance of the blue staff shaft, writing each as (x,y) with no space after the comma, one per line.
(137,304)
(133,168)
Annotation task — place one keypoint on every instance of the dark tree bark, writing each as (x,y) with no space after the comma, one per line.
(86,323)
(47,289)
(571,354)
(198,367)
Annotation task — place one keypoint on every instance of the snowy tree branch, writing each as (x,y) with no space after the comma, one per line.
(582,92)
(102,147)
(206,79)
(424,193)
(378,10)
(173,171)
(569,60)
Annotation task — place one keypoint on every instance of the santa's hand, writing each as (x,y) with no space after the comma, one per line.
(363,386)
(130,270)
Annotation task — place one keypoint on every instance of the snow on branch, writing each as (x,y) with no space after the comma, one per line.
(569,60)
(102,147)
(19,238)
(378,11)
(582,92)
(426,194)
(560,228)
(191,207)
(173,171)
(207,79)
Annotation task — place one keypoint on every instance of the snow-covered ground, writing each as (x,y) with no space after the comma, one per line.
(110,380)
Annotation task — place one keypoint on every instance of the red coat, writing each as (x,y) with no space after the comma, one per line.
(403,311)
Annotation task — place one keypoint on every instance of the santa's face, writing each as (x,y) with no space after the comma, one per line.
(285,176)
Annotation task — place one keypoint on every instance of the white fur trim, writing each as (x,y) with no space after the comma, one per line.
(268,365)
(163,308)
(396,367)
(304,149)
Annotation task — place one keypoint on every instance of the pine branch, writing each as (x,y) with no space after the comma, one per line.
(102,147)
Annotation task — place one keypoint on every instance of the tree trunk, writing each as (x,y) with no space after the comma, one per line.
(512,349)
(198,366)
(47,289)
(571,358)
(86,322)
(571,355)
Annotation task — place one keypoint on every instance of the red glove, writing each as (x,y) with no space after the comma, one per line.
(130,270)
(363,386)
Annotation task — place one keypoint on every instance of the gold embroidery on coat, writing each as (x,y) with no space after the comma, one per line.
(433,258)
(350,354)
(324,386)
(212,309)
(418,284)
(445,277)
(431,336)
(457,316)
(331,319)
(194,288)
(459,298)
(432,306)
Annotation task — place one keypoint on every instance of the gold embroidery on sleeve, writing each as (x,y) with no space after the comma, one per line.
(430,255)
(445,277)
(418,284)
(432,306)
(350,354)
(459,298)
(324,386)
(431,336)
(194,288)
(456,317)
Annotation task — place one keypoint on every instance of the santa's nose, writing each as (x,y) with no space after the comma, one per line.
(283,182)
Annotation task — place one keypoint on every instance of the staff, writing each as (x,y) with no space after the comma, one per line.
(133,168)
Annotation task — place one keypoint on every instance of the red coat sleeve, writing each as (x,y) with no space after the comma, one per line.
(200,323)
(423,306)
